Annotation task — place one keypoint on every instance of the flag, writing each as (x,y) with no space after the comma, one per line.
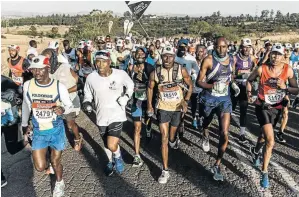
(138,8)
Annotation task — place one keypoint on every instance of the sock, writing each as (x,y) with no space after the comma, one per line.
(242,130)
(61,181)
(109,154)
(117,152)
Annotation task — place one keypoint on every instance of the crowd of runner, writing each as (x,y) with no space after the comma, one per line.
(149,80)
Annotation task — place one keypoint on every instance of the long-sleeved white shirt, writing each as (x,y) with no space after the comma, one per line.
(105,91)
(189,62)
(26,106)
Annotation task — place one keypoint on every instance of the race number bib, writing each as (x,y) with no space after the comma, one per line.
(18,80)
(140,94)
(43,111)
(221,92)
(245,64)
(274,98)
(170,96)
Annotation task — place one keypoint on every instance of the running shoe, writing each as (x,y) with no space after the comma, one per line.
(119,165)
(217,173)
(137,162)
(194,124)
(175,144)
(59,189)
(264,180)
(205,144)
(280,137)
(3,182)
(109,169)
(255,157)
(164,177)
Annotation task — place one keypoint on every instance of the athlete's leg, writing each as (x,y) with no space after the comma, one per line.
(39,159)
(56,164)
(224,120)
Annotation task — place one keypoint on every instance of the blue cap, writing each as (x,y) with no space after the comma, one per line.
(183,41)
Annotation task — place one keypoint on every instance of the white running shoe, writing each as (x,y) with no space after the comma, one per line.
(205,144)
(59,189)
(164,177)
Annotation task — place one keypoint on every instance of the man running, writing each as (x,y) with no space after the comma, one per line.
(294,62)
(215,78)
(65,75)
(153,57)
(244,64)
(48,100)
(70,54)
(110,101)
(169,77)
(18,66)
(140,74)
(271,92)
(121,55)
(189,62)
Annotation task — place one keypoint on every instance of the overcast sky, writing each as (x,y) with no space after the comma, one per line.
(156,7)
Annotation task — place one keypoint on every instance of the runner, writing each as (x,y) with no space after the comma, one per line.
(189,62)
(158,46)
(169,78)
(121,54)
(140,74)
(110,102)
(45,97)
(31,53)
(71,55)
(244,64)
(217,69)
(65,75)
(153,57)
(55,46)
(272,88)
(18,66)
(294,62)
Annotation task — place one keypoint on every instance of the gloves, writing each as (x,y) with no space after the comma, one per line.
(87,107)
(220,87)
(123,100)
(236,89)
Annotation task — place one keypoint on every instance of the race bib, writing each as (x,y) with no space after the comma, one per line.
(245,64)
(274,98)
(171,96)
(43,111)
(18,80)
(140,95)
(222,92)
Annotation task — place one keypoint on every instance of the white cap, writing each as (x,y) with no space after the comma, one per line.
(53,45)
(128,38)
(246,42)
(40,61)
(277,44)
(102,54)
(13,46)
(288,45)
(33,51)
(81,44)
(296,45)
(168,50)
(109,45)
(89,43)
(278,48)
(135,46)
(120,43)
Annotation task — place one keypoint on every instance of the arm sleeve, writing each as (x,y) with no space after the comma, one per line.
(87,91)
(65,99)
(26,108)
(128,83)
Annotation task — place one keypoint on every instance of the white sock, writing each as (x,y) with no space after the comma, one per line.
(117,152)
(109,154)
(60,181)
(242,130)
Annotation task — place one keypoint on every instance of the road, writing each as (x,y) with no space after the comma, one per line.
(189,166)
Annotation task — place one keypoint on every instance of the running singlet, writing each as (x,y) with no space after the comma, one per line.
(43,99)
(243,69)
(268,90)
(222,74)
(17,71)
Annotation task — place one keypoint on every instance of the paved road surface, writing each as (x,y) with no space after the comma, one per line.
(189,166)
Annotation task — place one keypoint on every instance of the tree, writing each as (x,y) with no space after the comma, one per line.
(271,13)
(127,14)
(33,30)
(54,31)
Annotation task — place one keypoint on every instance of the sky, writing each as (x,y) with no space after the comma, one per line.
(156,7)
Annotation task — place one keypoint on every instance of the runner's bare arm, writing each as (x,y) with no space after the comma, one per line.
(293,86)
(79,84)
(188,81)
(128,83)
(254,74)
(150,89)
(205,66)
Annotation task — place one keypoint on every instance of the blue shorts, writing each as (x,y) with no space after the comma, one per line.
(218,105)
(138,109)
(56,140)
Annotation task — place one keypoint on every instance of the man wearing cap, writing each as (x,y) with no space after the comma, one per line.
(48,100)
(121,55)
(274,75)
(110,101)
(264,53)
(66,76)
(170,102)
(215,78)
(55,46)
(31,53)
(153,57)
(189,62)
(244,65)
(140,74)
(18,66)
(70,54)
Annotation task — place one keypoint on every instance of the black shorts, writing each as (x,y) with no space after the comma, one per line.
(172,117)
(267,116)
(114,129)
